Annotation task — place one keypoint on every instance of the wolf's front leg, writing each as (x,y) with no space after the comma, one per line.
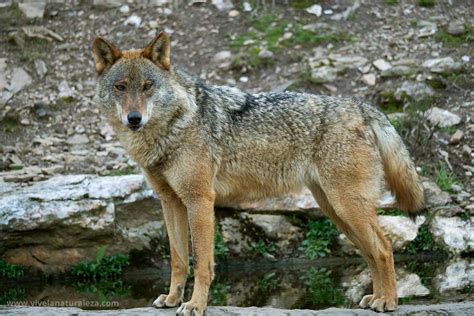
(176,220)
(201,222)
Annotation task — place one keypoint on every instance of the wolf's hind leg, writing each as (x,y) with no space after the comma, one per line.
(355,211)
(328,210)
(176,220)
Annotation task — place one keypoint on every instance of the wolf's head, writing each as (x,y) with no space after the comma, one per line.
(137,85)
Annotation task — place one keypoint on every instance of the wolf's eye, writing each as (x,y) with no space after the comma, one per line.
(120,87)
(147,86)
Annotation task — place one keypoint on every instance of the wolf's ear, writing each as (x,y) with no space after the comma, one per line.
(158,50)
(105,54)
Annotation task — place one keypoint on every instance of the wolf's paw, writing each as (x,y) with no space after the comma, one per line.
(384,304)
(367,301)
(166,301)
(190,309)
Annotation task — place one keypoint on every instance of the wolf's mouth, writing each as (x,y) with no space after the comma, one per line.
(134,127)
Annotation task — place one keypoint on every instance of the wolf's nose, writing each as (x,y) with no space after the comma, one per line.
(134,118)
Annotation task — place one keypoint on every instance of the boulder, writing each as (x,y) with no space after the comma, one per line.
(408,284)
(33,9)
(456,276)
(456,28)
(223,5)
(382,65)
(53,224)
(400,230)
(434,196)
(235,239)
(324,74)
(344,62)
(442,118)
(442,65)
(277,227)
(416,91)
(454,233)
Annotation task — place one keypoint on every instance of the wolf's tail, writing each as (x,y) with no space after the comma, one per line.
(399,169)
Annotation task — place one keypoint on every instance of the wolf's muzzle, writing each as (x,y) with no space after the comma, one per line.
(134,119)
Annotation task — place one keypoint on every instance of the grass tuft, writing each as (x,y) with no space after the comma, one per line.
(446,178)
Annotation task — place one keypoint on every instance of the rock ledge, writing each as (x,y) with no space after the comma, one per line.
(464,308)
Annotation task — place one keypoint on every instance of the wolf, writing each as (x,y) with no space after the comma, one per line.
(199,145)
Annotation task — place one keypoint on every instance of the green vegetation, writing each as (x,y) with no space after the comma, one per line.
(163,248)
(264,247)
(426,3)
(388,103)
(104,289)
(268,283)
(9,123)
(423,242)
(268,31)
(445,178)
(318,238)
(393,212)
(302,4)
(323,290)
(425,270)
(12,294)
(306,36)
(454,40)
(219,292)
(391,2)
(437,83)
(399,126)
(11,271)
(221,251)
(103,267)
(30,49)
(464,216)
(123,172)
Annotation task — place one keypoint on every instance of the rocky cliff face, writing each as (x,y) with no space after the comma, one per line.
(52,224)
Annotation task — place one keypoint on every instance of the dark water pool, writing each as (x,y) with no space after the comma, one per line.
(286,284)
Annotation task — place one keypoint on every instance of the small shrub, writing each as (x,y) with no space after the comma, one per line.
(219,292)
(302,4)
(423,242)
(11,271)
(264,248)
(268,283)
(221,251)
(163,248)
(391,2)
(319,237)
(426,3)
(103,267)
